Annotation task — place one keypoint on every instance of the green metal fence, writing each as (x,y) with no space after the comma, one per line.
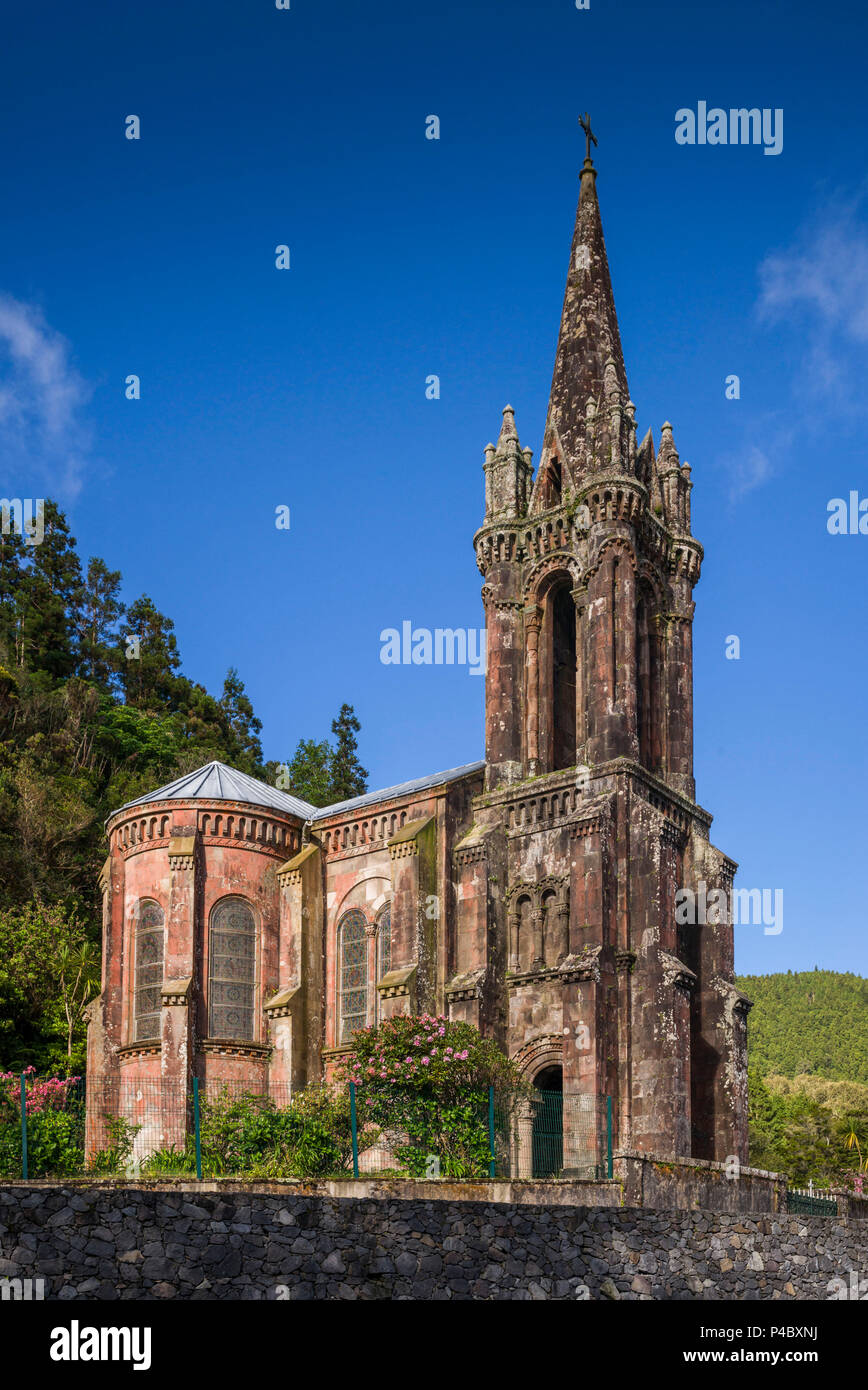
(149,1127)
(809,1203)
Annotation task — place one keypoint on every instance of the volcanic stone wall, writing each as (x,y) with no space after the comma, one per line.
(195,1242)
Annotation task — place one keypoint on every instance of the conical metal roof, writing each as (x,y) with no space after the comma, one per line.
(217,782)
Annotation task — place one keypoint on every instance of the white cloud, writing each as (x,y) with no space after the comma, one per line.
(817,291)
(42,437)
(748,471)
(819,287)
(825,274)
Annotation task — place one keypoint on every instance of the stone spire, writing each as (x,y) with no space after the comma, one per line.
(588,422)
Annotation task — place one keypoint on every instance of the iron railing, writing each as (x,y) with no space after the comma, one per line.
(154,1127)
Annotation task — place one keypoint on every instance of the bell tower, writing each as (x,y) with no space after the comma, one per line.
(589,567)
(588,825)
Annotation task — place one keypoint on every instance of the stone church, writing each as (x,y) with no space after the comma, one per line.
(248,934)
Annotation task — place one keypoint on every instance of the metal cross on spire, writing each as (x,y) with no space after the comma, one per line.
(590,137)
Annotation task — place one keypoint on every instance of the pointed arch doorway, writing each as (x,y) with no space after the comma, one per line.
(547,1126)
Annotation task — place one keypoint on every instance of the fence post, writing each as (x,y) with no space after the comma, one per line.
(608,1136)
(492,1165)
(197,1129)
(23,1129)
(355,1129)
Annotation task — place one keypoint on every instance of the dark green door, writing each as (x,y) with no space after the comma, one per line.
(548,1134)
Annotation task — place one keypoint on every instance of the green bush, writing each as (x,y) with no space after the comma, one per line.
(249,1136)
(55,1145)
(171,1162)
(116,1157)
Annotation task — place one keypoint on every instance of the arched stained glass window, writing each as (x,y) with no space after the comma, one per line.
(150,939)
(353,983)
(232,953)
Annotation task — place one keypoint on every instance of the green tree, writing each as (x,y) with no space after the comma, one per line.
(38,945)
(48,597)
(148,679)
(78,976)
(348,777)
(100,612)
(242,721)
(308,775)
(12,566)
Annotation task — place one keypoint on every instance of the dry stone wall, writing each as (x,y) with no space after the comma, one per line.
(137,1242)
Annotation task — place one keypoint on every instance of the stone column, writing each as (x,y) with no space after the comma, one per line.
(679,693)
(410,985)
(465,991)
(584,972)
(584,1052)
(104,1014)
(503,676)
(179,968)
(590,896)
(561,911)
(661,1028)
(580,599)
(599,667)
(719,1018)
(536,921)
(621,1074)
(532,624)
(626,658)
(295,1011)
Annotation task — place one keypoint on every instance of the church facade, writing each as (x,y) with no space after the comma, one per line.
(248,934)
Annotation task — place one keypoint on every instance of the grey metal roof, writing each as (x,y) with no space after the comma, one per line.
(217,782)
(419,784)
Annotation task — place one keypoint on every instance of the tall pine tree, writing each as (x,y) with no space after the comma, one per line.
(49,598)
(99,615)
(147,678)
(348,777)
(243,723)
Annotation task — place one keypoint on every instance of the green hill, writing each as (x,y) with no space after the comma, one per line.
(811,1022)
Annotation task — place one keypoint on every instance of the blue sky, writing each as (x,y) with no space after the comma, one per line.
(410,257)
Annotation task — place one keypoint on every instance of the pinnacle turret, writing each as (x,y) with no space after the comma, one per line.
(672,483)
(508,470)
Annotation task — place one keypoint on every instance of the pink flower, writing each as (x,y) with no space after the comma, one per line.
(425,1061)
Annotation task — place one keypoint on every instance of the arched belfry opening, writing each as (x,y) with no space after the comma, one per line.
(649,712)
(562,648)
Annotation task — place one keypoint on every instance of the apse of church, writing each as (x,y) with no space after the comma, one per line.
(248,935)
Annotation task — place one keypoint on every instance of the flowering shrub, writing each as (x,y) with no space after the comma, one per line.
(48,1093)
(55,1125)
(425,1080)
